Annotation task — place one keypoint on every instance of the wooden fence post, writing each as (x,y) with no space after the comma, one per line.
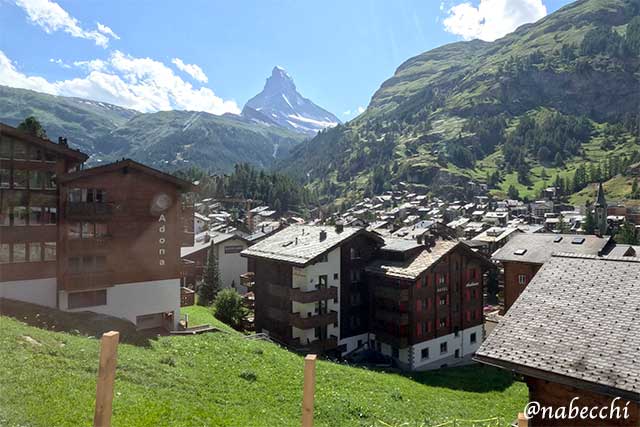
(522,420)
(106,378)
(308,390)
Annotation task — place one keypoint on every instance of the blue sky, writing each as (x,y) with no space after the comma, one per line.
(214,55)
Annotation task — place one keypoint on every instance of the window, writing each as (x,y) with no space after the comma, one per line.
(443,348)
(424,353)
(5,253)
(20,178)
(73,232)
(324,258)
(100,196)
(19,150)
(473,338)
(355,276)
(5,149)
(35,154)
(35,252)
(443,322)
(335,276)
(322,281)
(49,251)
(20,215)
(35,215)
(443,300)
(5,178)
(235,249)
(456,331)
(50,216)
(441,279)
(87,299)
(36,180)
(355,299)
(5,216)
(49,181)
(19,252)
(354,253)
(457,353)
(522,279)
(101,230)
(395,353)
(88,230)
(75,195)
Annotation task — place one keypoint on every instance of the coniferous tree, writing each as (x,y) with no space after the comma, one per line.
(589,221)
(627,234)
(210,285)
(32,126)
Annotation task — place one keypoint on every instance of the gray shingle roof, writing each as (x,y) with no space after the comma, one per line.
(577,323)
(415,266)
(539,247)
(301,244)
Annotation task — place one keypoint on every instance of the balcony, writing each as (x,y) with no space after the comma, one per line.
(87,280)
(89,211)
(248,280)
(301,296)
(317,346)
(394,317)
(187,297)
(391,339)
(395,294)
(313,321)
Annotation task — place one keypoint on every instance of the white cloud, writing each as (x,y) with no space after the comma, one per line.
(361,110)
(51,17)
(59,62)
(492,19)
(107,31)
(142,84)
(192,69)
(346,113)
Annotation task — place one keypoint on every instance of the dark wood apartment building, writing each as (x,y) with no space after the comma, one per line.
(525,254)
(105,239)
(321,289)
(427,302)
(310,291)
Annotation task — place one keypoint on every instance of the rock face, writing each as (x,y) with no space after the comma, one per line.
(280,103)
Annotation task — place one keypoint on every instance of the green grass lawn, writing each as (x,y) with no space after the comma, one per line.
(199,315)
(223,379)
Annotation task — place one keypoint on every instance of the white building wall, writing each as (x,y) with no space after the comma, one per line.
(38,291)
(351,343)
(436,359)
(232,265)
(128,301)
(307,279)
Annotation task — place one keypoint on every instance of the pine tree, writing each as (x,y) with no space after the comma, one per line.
(589,221)
(32,125)
(210,285)
(634,189)
(627,234)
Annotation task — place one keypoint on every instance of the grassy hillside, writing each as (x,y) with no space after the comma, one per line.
(446,115)
(222,379)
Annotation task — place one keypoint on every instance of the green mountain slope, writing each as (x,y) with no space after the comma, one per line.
(169,140)
(80,120)
(48,378)
(454,113)
(178,139)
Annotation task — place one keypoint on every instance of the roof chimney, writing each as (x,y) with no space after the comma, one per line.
(62,141)
(339,227)
(323,235)
(419,239)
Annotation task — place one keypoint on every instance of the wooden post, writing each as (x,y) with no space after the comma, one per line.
(106,378)
(308,390)
(522,421)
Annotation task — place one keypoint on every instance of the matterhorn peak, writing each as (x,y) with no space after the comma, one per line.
(282,104)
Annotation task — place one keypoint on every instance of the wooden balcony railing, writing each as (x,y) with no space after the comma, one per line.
(391,339)
(313,321)
(187,297)
(317,346)
(299,295)
(389,316)
(391,293)
(87,280)
(86,210)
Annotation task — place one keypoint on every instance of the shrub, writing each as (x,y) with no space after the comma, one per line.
(228,307)
(248,376)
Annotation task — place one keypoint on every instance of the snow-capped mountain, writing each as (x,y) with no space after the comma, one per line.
(280,103)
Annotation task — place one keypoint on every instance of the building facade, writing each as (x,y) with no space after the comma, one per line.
(104,239)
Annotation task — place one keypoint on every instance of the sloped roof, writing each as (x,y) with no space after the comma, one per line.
(128,163)
(301,244)
(539,247)
(576,323)
(415,266)
(45,143)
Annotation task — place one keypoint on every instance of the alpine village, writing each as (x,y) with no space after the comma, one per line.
(464,252)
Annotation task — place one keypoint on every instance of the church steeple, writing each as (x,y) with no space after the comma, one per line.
(601,211)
